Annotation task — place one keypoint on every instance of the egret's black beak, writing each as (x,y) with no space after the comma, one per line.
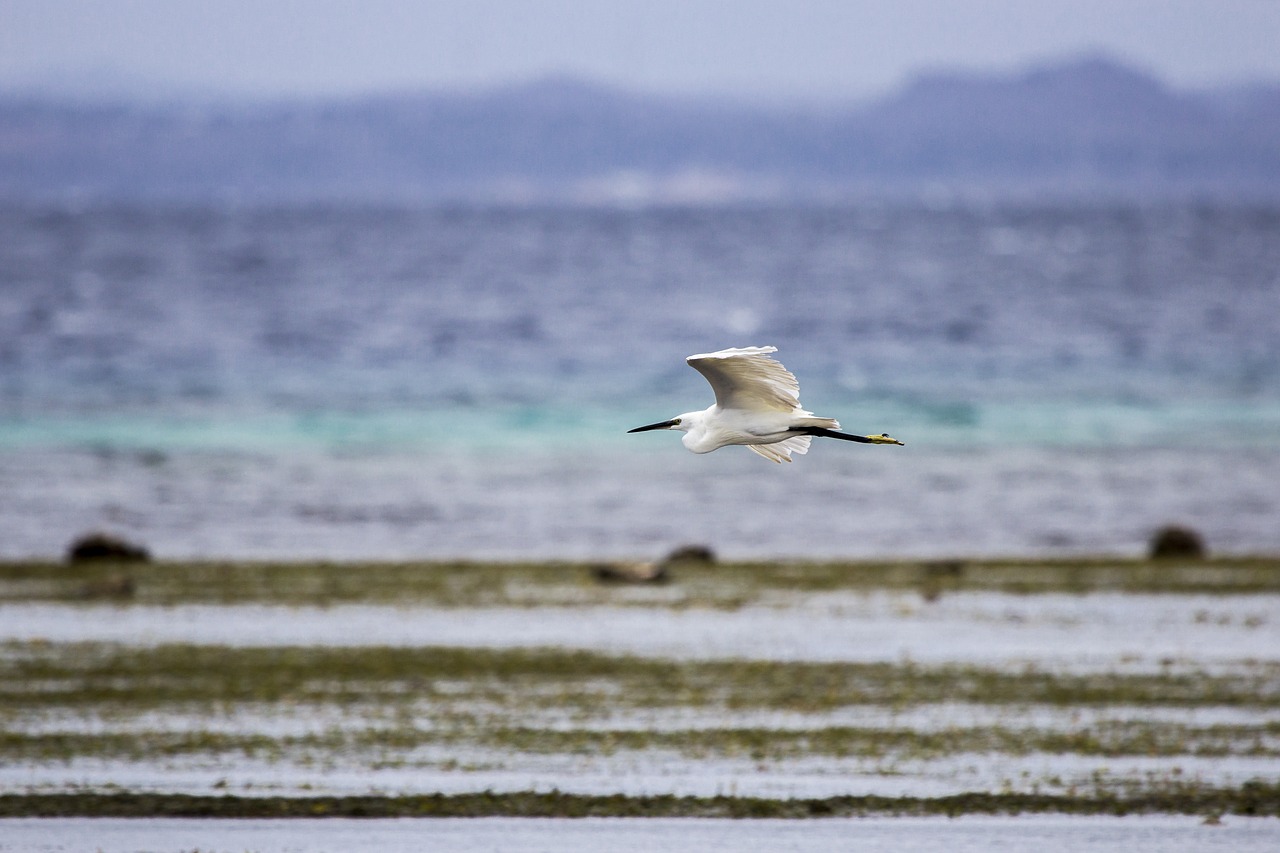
(659,425)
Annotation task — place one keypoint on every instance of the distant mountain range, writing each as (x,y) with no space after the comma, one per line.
(1082,128)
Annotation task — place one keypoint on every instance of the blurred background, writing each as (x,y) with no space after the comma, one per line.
(392,280)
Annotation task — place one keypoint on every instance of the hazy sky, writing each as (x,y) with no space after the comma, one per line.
(774,48)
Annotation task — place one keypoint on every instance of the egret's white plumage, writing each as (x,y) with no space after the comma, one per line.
(757,405)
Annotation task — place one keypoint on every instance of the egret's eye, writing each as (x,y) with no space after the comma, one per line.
(675,422)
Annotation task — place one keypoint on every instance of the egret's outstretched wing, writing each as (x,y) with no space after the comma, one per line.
(747,378)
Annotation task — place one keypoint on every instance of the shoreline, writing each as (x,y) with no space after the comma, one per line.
(711,584)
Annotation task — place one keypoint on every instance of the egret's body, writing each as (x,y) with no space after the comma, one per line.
(757,405)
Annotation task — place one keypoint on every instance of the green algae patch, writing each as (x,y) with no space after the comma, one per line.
(534,584)
(47,676)
(1111,739)
(1252,798)
(393,746)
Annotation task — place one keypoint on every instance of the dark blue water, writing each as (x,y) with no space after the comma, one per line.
(382,382)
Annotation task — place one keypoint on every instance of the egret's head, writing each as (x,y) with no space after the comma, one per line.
(680,423)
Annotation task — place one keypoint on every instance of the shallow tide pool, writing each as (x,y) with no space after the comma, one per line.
(973,834)
(1077,631)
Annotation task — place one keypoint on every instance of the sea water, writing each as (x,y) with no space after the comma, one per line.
(1133,834)
(349,382)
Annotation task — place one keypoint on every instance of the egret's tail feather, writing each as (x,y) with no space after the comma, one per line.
(781,451)
(802,424)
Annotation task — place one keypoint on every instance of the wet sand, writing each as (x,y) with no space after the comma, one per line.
(782,689)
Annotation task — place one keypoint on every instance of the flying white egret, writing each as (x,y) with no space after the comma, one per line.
(757,405)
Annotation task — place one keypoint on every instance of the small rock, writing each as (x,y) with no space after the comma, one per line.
(104,546)
(112,586)
(938,576)
(630,572)
(1177,542)
(944,568)
(692,554)
(931,591)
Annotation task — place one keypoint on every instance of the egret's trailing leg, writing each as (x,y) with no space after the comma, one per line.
(883,438)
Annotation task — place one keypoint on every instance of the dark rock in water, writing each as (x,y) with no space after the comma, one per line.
(1174,542)
(630,572)
(104,546)
(940,575)
(692,554)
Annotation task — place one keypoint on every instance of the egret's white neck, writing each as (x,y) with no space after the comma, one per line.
(697,435)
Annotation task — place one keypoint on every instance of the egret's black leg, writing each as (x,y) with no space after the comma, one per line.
(830,433)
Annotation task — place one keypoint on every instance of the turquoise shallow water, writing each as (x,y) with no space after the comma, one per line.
(385,382)
(1065,425)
